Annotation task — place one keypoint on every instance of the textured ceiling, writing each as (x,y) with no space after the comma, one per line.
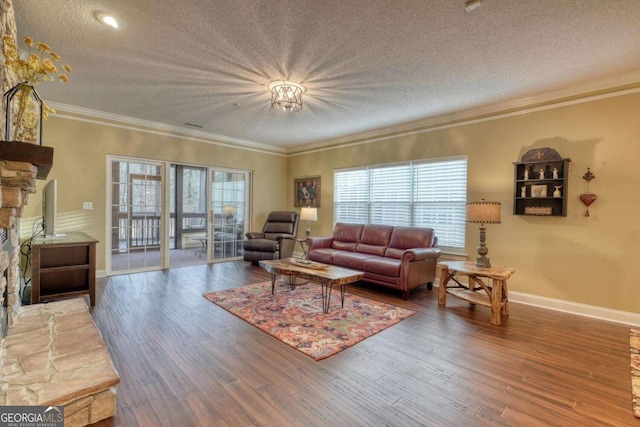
(366,64)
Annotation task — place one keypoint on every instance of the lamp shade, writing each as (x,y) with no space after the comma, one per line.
(483,212)
(309,214)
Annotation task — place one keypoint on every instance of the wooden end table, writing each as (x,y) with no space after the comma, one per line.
(326,277)
(495,296)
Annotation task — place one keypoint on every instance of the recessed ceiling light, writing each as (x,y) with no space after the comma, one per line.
(110,19)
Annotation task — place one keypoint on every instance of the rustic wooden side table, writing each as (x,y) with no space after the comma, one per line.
(494,296)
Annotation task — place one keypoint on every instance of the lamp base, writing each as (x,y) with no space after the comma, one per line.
(483,262)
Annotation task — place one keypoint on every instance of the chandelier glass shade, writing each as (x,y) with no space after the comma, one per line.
(286,96)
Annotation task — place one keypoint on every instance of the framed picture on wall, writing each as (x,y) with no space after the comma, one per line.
(306,192)
(538,191)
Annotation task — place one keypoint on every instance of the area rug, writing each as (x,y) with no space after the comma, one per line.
(634,346)
(295,316)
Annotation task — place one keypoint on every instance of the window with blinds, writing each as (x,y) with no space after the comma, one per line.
(428,193)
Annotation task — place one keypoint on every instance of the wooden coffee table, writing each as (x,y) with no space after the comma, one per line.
(326,277)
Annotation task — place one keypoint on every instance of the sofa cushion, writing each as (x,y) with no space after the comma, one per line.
(352,260)
(370,249)
(374,239)
(393,253)
(408,237)
(346,236)
(324,255)
(389,267)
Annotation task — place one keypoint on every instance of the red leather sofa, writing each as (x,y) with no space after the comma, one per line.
(398,257)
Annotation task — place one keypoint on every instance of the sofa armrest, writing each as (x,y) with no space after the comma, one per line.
(319,242)
(419,254)
(255,235)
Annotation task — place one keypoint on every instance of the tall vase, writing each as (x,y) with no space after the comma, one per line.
(24,114)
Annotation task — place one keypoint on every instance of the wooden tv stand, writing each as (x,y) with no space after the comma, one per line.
(63,267)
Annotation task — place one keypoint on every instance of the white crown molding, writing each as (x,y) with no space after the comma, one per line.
(132,123)
(606,88)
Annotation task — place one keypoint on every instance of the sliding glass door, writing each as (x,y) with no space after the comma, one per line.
(136,215)
(199,215)
(229,213)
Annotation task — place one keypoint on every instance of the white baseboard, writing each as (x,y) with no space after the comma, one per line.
(576,308)
(593,311)
(101,273)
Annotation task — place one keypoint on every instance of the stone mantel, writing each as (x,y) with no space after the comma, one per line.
(38,155)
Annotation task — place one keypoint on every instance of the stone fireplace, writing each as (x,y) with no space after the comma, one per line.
(20,165)
(51,353)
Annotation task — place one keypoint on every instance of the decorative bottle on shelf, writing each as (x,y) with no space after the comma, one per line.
(523,191)
(555,174)
(541,173)
(557,193)
(526,174)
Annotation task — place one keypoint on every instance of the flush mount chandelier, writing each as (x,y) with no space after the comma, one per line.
(286,96)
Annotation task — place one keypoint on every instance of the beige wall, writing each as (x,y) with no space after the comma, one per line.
(80,152)
(574,258)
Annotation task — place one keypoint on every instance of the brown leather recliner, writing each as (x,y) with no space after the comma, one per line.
(277,239)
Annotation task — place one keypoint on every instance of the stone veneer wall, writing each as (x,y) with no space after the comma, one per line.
(11,194)
(17,179)
(7,28)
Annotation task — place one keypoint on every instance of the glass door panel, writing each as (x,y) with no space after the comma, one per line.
(188,202)
(136,215)
(228,213)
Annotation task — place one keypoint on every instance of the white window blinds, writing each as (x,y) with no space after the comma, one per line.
(421,194)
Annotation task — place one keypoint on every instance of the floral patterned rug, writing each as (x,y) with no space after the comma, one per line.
(295,316)
(634,345)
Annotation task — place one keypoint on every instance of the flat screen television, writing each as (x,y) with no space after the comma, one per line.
(50,208)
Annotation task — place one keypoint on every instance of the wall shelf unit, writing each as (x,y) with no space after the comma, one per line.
(541,187)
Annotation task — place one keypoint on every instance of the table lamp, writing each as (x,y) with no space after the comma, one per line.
(483,212)
(229,212)
(308,214)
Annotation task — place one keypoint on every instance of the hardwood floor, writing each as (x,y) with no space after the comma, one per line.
(184,361)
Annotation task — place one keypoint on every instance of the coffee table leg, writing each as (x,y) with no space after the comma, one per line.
(273,283)
(326,297)
(342,289)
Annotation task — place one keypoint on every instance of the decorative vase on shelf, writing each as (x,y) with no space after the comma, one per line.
(557,193)
(24,114)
